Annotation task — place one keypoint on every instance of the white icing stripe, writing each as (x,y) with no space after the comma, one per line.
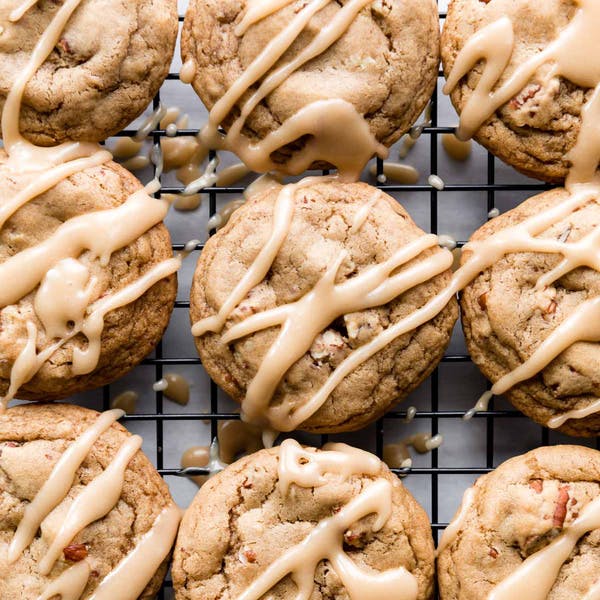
(58,484)
(594,592)
(326,37)
(17,13)
(536,576)
(85,361)
(96,500)
(29,362)
(130,577)
(303,320)
(13,141)
(583,325)
(339,134)
(572,56)
(272,52)
(257,10)
(70,584)
(363,214)
(282,217)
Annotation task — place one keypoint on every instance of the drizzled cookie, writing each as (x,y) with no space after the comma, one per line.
(83,514)
(298,523)
(294,305)
(524,307)
(297,84)
(526,102)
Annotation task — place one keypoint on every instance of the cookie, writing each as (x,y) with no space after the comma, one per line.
(82,510)
(515,308)
(60,275)
(533,121)
(295,304)
(297,522)
(530,529)
(363,71)
(110,60)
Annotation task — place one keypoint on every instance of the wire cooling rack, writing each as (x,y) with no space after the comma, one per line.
(438,479)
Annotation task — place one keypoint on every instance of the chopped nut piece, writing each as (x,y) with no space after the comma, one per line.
(482,300)
(529,93)
(560,512)
(250,555)
(537,485)
(75,552)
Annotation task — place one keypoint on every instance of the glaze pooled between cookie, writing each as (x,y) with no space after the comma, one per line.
(529,529)
(76,519)
(299,84)
(293,519)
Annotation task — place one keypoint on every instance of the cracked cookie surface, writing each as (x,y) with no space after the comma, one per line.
(517,510)
(109,63)
(32,440)
(385,64)
(130,332)
(239,523)
(505,319)
(321,229)
(535,130)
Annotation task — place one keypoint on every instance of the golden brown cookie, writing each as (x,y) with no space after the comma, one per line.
(535,130)
(514,514)
(110,61)
(506,318)
(385,64)
(249,518)
(33,439)
(130,332)
(339,234)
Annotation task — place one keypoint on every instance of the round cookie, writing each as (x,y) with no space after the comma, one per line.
(515,512)
(385,64)
(110,61)
(323,227)
(505,319)
(131,332)
(537,128)
(244,519)
(32,440)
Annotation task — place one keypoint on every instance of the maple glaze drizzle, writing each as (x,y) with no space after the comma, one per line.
(534,577)
(308,468)
(94,502)
(573,55)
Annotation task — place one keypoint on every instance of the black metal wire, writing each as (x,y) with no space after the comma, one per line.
(435,415)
